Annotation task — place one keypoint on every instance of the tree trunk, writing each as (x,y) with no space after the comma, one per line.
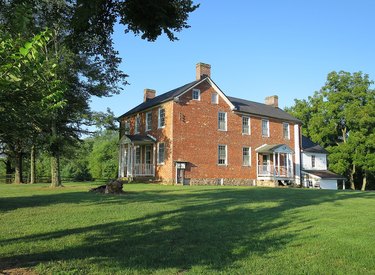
(55,158)
(32,165)
(18,168)
(352,185)
(364,181)
(9,171)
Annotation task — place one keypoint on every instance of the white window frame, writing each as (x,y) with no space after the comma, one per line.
(249,156)
(148,123)
(226,155)
(268,127)
(248,124)
(137,124)
(225,120)
(161,162)
(159,118)
(287,129)
(214,98)
(194,93)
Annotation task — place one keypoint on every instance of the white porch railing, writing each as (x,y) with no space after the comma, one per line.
(271,171)
(144,169)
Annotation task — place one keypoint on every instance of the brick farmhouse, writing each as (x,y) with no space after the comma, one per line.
(196,134)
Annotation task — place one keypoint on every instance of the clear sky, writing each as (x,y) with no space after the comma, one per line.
(256,48)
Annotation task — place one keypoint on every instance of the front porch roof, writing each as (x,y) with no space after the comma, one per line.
(275,148)
(137,139)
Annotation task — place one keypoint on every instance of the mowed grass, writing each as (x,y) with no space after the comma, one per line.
(155,229)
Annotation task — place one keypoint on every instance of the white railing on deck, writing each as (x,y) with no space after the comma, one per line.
(271,171)
(144,169)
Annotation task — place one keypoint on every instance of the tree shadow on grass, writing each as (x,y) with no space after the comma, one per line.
(213,228)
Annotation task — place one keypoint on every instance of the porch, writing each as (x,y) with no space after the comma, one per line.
(274,162)
(137,156)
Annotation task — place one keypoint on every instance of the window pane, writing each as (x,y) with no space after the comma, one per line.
(148,154)
(246,156)
(148,121)
(222,121)
(196,94)
(265,128)
(222,154)
(161,118)
(286,130)
(161,153)
(137,155)
(245,125)
(214,98)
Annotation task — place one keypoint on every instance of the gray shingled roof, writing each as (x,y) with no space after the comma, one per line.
(241,105)
(324,174)
(160,99)
(309,146)
(261,109)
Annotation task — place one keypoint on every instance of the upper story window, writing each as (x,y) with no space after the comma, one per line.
(148,121)
(246,125)
(246,154)
(127,127)
(286,133)
(161,118)
(313,161)
(222,118)
(265,128)
(196,94)
(161,153)
(222,155)
(215,98)
(137,124)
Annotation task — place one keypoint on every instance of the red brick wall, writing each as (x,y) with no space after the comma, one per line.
(196,137)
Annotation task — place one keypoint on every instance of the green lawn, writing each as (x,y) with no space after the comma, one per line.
(186,230)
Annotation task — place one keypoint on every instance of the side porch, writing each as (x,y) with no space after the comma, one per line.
(137,156)
(275,163)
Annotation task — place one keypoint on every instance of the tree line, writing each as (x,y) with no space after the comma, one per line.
(341,118)
(54,56)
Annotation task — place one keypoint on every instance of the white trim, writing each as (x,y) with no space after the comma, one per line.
(152,137)
(297,156)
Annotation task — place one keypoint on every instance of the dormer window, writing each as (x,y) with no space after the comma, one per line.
(196,94)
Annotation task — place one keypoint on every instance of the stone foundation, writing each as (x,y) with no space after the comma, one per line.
(220,181)
(267,183)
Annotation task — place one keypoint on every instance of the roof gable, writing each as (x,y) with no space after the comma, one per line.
(309,146)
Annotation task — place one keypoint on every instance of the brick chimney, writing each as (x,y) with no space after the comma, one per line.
(272,100)
(202,70)
(148,94)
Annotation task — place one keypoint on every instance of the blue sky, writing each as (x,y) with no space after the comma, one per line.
(255,48)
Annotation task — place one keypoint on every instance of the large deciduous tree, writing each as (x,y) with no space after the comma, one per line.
(341,117)
(82,53)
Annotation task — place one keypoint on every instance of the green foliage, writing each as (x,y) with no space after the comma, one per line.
(103,160)
(341,117)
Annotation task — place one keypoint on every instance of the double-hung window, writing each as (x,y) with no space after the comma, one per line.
(246,156)
(222,118)
(137,155)
(137,124)
(222,155)
(161,153)
(148,121)
(286,133)
(161,118)
(265,128)
(246,125)
(196,94)
(313,161)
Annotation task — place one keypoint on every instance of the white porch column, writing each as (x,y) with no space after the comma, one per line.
(257,166)
(154,159)
(129,170)
(274,164)
(278,161)
(287,165)
(120,161)
(297,151)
